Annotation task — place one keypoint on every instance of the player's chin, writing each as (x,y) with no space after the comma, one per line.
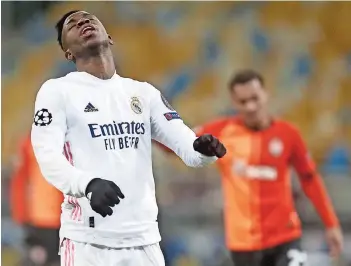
(91,41)
(252,118)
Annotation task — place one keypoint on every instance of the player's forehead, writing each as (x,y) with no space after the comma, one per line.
(252,87)
(77,16)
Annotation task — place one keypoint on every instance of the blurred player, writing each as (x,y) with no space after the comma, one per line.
(36,205)
(103,124)
(261,223)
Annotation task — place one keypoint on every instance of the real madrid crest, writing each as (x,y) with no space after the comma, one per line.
(136,106)
(275,147)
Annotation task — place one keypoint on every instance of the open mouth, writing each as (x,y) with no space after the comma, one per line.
(87,30)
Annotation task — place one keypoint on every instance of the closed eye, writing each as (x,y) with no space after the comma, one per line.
(71,24)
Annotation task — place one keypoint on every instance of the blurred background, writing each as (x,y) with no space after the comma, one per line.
(188,50)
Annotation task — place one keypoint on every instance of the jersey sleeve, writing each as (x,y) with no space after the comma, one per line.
(168,128)
(48,136)
(311,181)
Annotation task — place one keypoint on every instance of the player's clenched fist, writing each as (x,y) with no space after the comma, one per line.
(210,146)
(103,195)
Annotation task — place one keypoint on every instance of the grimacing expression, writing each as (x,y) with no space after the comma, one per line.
(250,100)
(82,30)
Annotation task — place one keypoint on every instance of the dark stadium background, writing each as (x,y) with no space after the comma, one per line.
(189,50)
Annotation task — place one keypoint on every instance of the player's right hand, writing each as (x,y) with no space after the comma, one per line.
(103,195)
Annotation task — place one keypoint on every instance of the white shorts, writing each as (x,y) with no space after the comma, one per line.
(82,254)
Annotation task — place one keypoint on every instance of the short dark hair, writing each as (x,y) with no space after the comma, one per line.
(244,76)
(59,25)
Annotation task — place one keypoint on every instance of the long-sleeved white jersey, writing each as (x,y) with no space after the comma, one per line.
(85,127)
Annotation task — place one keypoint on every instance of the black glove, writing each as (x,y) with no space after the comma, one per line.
(210,146)
(104,195)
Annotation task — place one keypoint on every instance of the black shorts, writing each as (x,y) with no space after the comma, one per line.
(45,238)
(287,254)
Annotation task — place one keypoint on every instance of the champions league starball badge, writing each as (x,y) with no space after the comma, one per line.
(42,118)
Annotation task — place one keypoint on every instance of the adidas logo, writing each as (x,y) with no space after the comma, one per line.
(90,108)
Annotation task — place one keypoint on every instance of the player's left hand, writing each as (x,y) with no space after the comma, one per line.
(210,146)
(335,241)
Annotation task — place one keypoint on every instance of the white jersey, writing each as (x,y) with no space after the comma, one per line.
(84,128)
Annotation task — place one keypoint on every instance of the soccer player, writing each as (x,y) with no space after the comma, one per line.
(91,135)
(261,224)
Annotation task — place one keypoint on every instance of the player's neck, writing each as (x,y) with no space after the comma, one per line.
(263,123)
(100,65)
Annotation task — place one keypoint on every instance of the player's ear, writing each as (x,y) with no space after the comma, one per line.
(69,55)
(110,41)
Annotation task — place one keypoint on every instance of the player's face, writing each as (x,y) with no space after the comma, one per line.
(250,100)
(82,31)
